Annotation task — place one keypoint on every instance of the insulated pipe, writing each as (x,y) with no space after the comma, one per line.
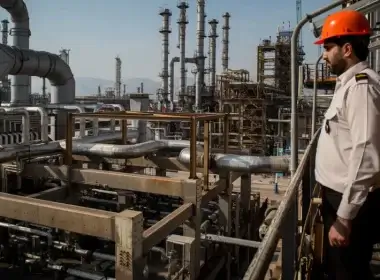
(182,22)
(230,240)
(28,230)
(212,59)
(44,121)
(79,273)
(125,151)
(21,33)
(82,121)
(238,163)
(5,80)
(171,80)
(25,121)
(200,53)
(226,41)
(39,64)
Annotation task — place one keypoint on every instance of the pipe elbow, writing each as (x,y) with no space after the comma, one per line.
(17,9)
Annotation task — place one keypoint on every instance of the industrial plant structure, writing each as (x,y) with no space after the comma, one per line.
(191,184)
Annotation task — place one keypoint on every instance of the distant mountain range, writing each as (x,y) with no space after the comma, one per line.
(89,86)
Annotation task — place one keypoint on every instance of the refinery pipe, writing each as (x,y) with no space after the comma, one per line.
(25,121)
(44,121)
(239,163)
(17,61)
(171,80)
(82,121)
(125,151)
(20,33)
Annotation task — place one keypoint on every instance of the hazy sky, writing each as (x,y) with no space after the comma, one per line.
(98,30)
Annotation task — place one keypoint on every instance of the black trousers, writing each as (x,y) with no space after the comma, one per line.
(351,262)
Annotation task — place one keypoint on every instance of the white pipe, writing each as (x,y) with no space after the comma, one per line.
(21,33)
(25,121)
(82,121)
(44,121)
(171,80)
(239,163)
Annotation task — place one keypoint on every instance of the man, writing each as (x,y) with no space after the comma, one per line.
(348,152)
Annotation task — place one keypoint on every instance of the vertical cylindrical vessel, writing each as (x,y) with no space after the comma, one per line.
(118,77)
(5,81)
(200,52)
(64,54)
(182,22)
(165,31)
(226,41)
(4,31)
(212,59)
(20,32)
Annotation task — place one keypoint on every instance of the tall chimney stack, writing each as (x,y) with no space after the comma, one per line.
(118,77)
(212,52)
(226,42)
(165,31)
(200,52)
(182,22)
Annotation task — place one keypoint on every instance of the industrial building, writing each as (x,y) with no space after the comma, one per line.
(198,183)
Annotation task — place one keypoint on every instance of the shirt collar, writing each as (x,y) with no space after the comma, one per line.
(351,72)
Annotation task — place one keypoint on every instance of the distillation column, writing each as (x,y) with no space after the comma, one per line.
(200,53)
(118,77)
(182,22)
(226,35)
(64,54)
(165,31)
(5,81)
(212,54)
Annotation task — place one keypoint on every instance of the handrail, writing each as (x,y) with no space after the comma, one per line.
(260,263)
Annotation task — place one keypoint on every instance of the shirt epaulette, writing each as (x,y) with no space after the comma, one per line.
(361,77)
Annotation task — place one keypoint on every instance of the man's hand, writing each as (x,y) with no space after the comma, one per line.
(339,233)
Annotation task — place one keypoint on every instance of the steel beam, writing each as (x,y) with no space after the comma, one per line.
(110,179)
(159,231)
(67,217)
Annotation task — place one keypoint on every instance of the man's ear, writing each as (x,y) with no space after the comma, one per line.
(347,50)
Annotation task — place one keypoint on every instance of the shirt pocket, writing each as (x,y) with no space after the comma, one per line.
(331,122)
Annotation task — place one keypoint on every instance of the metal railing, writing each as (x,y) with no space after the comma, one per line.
(286,214)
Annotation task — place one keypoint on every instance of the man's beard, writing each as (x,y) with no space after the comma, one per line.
(338,69)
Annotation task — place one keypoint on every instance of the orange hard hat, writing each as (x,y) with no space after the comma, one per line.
(344,23)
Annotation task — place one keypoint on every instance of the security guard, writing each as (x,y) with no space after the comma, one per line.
(348,152)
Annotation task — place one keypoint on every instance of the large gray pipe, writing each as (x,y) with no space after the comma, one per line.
(165,31)
(88,146)
(16,61)
(238,163)
(182,22)
(226,41)
(126,151)
(200,80)
(171,80)
(21,33)
(212,59)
